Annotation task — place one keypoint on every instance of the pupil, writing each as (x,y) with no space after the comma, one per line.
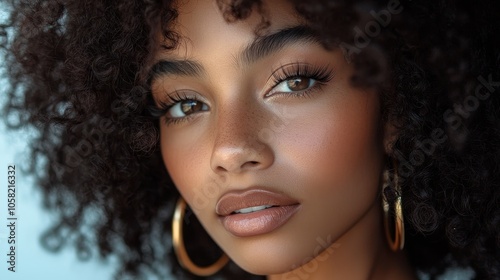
(298,84)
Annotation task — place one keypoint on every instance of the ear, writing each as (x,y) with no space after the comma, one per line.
(390,136)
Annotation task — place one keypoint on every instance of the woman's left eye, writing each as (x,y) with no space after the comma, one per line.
(299,79)
(294,84)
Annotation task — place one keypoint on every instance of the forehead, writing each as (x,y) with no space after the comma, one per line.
(202,28)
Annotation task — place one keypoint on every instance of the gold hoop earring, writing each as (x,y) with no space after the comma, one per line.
(180,250)
(399,230)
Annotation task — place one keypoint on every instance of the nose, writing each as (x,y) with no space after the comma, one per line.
(238,145)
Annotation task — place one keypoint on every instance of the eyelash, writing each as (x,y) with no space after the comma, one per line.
(321,75)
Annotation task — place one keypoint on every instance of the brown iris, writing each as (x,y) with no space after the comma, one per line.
(298,84)
(191,106)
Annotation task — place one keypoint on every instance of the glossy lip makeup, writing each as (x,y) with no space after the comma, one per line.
(255,212)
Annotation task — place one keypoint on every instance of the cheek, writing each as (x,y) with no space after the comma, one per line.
(339,142)
(186,159)
(339,154)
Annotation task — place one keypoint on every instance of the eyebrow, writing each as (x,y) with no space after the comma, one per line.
(261,47)
(175,67)
(267,45)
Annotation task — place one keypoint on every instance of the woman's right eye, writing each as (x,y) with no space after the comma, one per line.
(184,108)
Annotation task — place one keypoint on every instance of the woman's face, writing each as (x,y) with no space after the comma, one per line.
(268,120)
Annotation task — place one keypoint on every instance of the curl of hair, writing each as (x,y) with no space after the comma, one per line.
(76,75)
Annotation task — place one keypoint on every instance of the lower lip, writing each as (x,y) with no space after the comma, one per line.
(259,222)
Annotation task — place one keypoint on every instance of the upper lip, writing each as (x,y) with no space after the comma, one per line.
(235,200)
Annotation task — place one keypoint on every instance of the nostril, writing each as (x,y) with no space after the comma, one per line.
(220,168)
(231,158)
(250,164)
(253,163)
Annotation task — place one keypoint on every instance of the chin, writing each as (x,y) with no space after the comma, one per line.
(279,253)
(268,265)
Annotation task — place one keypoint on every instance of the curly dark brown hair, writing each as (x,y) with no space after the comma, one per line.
(76,74)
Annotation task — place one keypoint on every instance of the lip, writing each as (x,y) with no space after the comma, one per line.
(258,222)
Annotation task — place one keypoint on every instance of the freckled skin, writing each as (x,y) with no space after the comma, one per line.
(326,150)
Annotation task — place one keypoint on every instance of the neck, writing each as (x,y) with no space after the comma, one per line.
(356,255)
